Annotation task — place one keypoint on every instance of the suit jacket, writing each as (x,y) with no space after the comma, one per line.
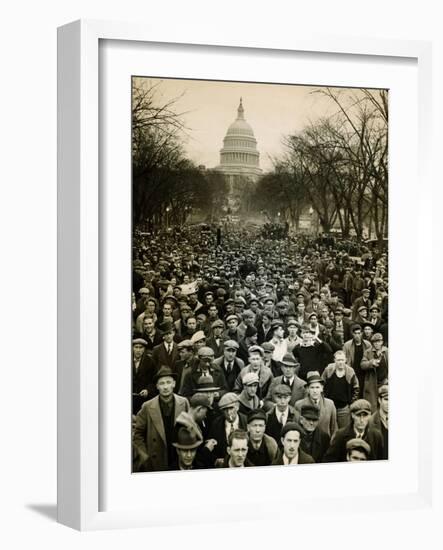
(149,438)
(217,349)
(161,357)
(349,349)
(317,446)
(230,377)
(217,431)
(298,390)
(190,380)
(337,449)
(273,426)
(328,414)
(303,458)
(142,379)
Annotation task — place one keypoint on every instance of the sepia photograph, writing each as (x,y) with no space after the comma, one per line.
(259,274)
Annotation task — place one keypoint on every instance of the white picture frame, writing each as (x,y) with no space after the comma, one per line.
(84,259)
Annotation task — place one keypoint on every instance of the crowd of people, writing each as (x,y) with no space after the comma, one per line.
(253,351)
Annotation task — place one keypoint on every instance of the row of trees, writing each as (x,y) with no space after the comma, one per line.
(167,186)
(336,165)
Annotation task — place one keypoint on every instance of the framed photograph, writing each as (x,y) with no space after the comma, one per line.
(232,221)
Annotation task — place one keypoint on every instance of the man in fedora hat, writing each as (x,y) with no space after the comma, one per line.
(154,424)
(357,428)
(166,353)
(288,365)
(230,364)
(291,453)
(186,444)
(314,396)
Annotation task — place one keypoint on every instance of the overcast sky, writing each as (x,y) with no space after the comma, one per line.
(273,110)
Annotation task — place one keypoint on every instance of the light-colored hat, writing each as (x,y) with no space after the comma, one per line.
(197,336)
(250,378)
(227,400)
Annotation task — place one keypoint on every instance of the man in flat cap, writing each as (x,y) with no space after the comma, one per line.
(256,366)
(203,367)
(291,453)
(232,332)
(357,450)
(375,369)
(229,363)
(154,425)
(281,411)
(248,399)
(314,441)
(264,332)
(357,428)
(357,351)
(262,448)
(292,339)
(277,340)
(311,353)
(215,341)
(288,366)
(150,332)
(229,421)
(143,370)
(379,420)
(314,396)
(249,339)
(186,360)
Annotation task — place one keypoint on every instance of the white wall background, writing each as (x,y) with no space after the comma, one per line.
(28,268)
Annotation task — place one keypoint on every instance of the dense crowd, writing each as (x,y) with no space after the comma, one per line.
(251,351)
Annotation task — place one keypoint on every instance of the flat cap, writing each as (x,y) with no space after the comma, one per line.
(141,341)
(200,400)
(218,324)
(144,291)
(250,378)
(256,349)
(185,344)
(310,412)
(355,327)
(383,391)
(268,346)
(205,351)
(360,406)
(358,444)
(230,344)
(366,290)
(281,390)
(197,336)
(377,337)
(227,400)
(257,415)
(362,308)
(232,316)
(328,323)
(276,323)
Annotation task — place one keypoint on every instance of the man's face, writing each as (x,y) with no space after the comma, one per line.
(378,344)
(356,456)
(167,310)
(200,413)
(267,356)
(217,331)
(185,354)
(206,359)
(232,324)
(230,413)
(148,325)
(201,319)
(292,331)
(308,424)
(186,457)
(191,323)
(193,298)
(230,354)
(138,350)
(266,320)
(315,390)
(212,312)
(282,309)
(313,320)
(255,360)
(384,403)
(253,339)
(288,370)
(168,337)
(251,390)
(291,443)
(249,320)
(279,332)
(256,429)
(229,309)
(209,299)
(367,333)
(237,452)
(186,313)
(340,361)
(200,343)
(301,307)
(150,307)
(357,336)
(282,401)
(165,386)
(360,420)
(307,337)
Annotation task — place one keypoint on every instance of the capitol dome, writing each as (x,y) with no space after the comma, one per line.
(239,155)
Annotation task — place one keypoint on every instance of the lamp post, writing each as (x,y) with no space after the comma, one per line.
(168,209)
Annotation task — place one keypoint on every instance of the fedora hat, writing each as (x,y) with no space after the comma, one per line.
(164,371)
(186,439)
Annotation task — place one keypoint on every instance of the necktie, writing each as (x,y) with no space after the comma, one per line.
(282,419)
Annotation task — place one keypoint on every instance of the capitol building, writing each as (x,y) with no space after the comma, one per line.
(239,157)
